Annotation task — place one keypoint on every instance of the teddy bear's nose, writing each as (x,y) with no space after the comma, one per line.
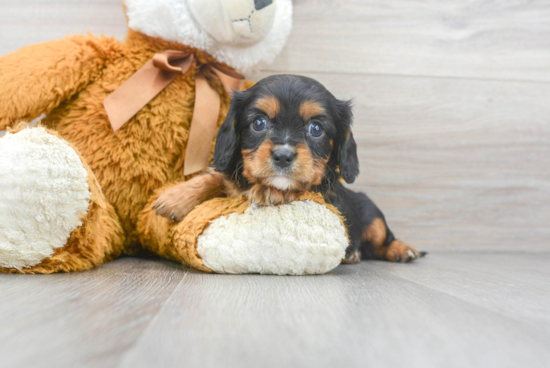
(260,4)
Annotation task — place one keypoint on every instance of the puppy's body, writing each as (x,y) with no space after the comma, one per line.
(284,136)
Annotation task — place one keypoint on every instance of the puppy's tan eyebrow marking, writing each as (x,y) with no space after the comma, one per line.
(310,108)
(270,105)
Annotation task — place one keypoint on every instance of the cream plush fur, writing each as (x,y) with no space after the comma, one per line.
(300,238)
(43,196)
(214,27)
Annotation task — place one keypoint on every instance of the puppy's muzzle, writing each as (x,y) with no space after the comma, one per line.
(283,157)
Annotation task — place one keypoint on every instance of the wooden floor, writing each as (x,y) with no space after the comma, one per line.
(447,310)
(452,120)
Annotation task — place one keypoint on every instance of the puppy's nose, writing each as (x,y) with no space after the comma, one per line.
(283,157)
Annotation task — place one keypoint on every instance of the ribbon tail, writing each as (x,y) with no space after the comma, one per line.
(203,126)
(233,81)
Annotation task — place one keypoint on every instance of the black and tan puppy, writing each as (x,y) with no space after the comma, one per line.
(284,136)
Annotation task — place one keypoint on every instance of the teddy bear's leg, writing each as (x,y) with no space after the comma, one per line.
(53,216)
(173,240)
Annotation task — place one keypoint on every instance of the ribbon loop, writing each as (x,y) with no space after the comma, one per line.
(155,76)
(163,60)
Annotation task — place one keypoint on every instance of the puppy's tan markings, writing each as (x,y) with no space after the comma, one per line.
(176,202)
(257,164)
(310,108)
(396,251)
(270,105)
(262,195)
(232,189)
(308,171)
(304,160)
(319,166)
(375,234)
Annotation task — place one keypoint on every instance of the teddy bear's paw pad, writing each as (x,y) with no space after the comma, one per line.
(44,196)
(299,238)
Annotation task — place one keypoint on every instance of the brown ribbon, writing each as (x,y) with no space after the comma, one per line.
(155,76)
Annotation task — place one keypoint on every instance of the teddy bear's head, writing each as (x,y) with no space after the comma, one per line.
(244,34)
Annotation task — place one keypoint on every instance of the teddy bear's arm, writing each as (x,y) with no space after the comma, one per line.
(37,78)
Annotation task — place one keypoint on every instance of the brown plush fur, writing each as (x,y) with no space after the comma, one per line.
(68,79)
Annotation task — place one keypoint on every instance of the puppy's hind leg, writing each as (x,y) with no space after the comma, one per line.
(371,230)
(380,243)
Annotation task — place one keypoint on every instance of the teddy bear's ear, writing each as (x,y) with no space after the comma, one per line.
(226,152)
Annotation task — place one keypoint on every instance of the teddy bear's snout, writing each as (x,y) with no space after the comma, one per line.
(235,22)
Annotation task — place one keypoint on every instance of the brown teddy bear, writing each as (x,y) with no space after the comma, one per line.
(124,121)
(121,121)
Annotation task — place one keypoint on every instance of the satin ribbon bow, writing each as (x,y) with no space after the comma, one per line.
(156,75)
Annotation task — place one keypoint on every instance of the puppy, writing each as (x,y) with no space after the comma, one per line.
(282,137)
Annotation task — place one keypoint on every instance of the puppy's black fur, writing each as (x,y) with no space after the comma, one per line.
(299,116)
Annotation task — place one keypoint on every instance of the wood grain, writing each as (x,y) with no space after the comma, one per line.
(516,286)
(474,39)
(32,21)
(452,310)
(86,319)
(372,314)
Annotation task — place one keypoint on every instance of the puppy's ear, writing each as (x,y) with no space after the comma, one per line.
(347,153)
(347,160)
(227,142)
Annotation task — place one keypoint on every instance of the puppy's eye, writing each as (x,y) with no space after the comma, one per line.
(259,124)
(315,130)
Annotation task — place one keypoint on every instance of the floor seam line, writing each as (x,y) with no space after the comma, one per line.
(151,323)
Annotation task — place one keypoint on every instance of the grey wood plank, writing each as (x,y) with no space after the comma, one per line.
(361,315)
(475,39)
(456,165)
(27,22)
(85,319)
(517,286)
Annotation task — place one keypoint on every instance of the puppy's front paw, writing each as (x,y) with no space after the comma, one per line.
(261,195)
(352,257)
(400,252)
(175,203)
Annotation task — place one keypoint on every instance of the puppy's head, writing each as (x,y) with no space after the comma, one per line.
(287,132)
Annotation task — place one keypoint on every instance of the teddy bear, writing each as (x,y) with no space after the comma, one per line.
(123,121)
